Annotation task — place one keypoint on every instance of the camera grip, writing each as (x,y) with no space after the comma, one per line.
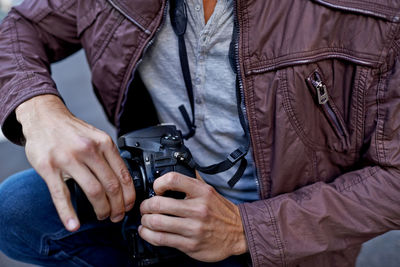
(80,202)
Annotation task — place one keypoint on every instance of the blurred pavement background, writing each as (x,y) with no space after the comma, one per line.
(72,77)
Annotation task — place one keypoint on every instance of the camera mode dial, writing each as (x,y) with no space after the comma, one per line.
(171,141)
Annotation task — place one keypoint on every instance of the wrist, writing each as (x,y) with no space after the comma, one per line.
(37,109)
(240,247)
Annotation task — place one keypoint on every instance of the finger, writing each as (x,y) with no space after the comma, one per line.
(62,201)
(164,239)
(167,205)
(93,190)
(169,224)
(111,184)
(121,171)
(174,181)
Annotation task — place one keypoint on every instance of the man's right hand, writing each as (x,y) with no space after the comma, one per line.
(59,146)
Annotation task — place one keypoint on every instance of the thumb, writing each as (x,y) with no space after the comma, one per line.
(198,177)
(174,181)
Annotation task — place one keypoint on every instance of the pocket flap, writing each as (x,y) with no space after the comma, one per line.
(276,34)
(385,9)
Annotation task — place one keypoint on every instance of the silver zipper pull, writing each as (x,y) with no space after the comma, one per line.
(320,87)
(323,96)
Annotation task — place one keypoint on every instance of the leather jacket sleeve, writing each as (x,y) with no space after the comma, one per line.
(326,217)
(32,36)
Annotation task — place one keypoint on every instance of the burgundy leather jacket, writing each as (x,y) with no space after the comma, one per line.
(321,83)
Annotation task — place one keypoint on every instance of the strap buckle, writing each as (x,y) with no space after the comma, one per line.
(236,155)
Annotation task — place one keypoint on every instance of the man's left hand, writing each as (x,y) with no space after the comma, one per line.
(204,225)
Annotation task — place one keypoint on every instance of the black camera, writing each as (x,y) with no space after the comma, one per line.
(148,153)
(152,152)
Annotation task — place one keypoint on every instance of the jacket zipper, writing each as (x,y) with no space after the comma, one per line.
(241,108)
(321,92)
(240,94)
(140,60)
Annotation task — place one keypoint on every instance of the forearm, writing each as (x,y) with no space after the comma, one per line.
(22,76)
(27,47)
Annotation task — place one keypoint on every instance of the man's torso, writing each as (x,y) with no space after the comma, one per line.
(218,129)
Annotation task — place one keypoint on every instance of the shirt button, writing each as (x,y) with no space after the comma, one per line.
(197,7)
(198,101)
(201,58)
(197,81)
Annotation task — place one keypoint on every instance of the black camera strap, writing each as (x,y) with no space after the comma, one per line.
(178,15)
(179,21)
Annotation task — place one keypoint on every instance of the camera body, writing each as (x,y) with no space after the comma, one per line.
(152,152)
(148,154)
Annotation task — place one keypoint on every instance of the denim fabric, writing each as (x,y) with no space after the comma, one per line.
(31,231)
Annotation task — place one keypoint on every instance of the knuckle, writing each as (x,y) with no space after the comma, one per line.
(171,178)
(45,165)
(126,176)
(160,239)
(95,191)
(155,204)
(203,212)
(58,193)
(155,222)
(85,146)
(208,190)
(63,160)
(144,220)
(193,246)
(113,187)
(144,206)
(198,230)
(106,141)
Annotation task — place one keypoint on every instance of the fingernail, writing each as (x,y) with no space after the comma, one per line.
(72,224)
(128,207)
(102,218)
(117,218)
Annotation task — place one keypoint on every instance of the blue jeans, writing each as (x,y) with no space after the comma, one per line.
(31,231)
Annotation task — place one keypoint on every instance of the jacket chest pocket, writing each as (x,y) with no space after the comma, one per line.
(96,25)
(325,103)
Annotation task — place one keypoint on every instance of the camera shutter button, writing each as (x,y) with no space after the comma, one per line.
(170,141)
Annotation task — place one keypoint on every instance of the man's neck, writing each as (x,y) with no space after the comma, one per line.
(208,6)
